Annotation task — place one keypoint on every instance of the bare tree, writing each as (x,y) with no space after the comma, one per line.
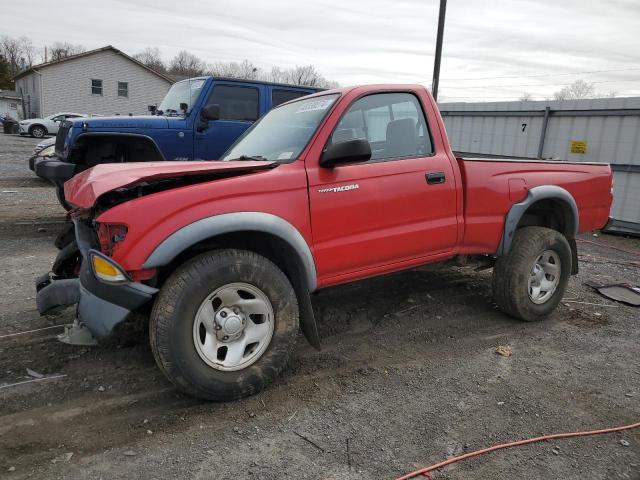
(277,75)
(152,58)
(578,89)
(28,50)
(526,97)
(18,52)
(244,69)
(187,64)
(59,50)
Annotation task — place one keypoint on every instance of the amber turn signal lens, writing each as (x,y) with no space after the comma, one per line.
(107,271)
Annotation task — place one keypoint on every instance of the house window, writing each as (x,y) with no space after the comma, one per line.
(96,87)
(13,106)
(123,89)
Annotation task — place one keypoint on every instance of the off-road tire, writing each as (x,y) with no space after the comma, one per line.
(173,313)
(37,131)
(511,273)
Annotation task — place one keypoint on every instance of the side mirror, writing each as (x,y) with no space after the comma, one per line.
(210,112)
(184,107)
(152,109)
(351,151)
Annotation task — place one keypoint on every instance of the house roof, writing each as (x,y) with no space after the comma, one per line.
(13,95)
(35,68)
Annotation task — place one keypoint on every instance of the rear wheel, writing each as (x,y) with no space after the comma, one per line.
(530,281)
(224,324)
(38,131)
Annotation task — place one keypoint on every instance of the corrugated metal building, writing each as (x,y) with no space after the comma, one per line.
(590,130)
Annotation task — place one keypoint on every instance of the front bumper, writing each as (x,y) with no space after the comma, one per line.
(54,170)
(101,305)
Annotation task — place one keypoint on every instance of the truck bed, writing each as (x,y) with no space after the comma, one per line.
(492,185)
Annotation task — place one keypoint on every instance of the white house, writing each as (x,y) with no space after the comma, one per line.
(10,104)
(104,81)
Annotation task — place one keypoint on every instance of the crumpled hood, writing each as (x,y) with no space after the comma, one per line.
(85,188)
(122,121)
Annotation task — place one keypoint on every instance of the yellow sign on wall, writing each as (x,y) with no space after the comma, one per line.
(578,146)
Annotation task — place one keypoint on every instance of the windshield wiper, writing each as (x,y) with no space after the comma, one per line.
(255,158)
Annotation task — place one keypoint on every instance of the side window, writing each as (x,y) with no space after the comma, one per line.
(123,89)
(236,103)
(58,118)
(96,87)
(279,97)
(393,123)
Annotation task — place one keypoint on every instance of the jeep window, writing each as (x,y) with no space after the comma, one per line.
(283,132)
(186,91)
(96,87)
(236,103)
(123,89)
(278,97)
(393,123)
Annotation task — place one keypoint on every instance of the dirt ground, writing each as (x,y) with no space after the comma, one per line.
(407,377)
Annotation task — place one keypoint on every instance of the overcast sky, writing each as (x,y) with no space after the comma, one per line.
(369,41)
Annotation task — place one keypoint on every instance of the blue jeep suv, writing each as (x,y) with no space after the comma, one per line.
(198,119)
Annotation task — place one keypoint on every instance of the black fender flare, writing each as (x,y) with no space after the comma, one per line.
(534,195)
(208,227)
(138,136)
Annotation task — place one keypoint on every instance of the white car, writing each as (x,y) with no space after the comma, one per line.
(39,127)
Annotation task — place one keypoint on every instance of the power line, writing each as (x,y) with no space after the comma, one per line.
(585,72)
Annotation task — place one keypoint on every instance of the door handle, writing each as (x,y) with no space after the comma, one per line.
(434,178)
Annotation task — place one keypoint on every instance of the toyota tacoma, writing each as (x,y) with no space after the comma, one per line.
(330,188)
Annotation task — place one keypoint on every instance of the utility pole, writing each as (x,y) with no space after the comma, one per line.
(436,61)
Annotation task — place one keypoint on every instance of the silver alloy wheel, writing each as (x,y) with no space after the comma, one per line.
(37,132)
(233,326)
(544,277)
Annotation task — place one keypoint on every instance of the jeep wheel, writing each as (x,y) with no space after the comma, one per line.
(224,324)
(530,281)
(37,131)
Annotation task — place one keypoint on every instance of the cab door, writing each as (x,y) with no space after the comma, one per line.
(240,106)
(399,205)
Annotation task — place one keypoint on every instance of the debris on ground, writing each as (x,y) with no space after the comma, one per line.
(34,374)
(504,351)
(620,292)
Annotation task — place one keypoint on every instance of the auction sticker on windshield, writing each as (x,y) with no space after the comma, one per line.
(321,104)
(285,155)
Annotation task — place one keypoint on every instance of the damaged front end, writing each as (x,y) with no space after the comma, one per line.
(81,276)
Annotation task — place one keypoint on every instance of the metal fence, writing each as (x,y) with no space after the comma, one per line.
(591,130)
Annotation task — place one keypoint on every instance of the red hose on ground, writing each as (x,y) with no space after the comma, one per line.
(423,471)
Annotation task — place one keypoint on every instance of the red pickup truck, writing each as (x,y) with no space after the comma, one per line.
(334,187)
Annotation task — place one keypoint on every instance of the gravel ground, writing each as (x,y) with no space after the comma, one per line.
(407,377)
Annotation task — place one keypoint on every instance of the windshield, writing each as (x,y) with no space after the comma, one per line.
(283,132)
(186,91)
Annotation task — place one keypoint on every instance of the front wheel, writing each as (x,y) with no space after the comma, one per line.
(224,324)
(38,132)
(530,281)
